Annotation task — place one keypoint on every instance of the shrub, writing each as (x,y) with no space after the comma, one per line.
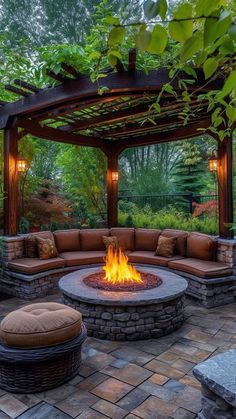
(171,218)
(66,226)
(23,225)
(45,227)
(54,225)
(93,221)
(129,221)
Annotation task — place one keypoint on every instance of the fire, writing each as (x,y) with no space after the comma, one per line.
(117,270)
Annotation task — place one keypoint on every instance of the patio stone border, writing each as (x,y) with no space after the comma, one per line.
(218,385)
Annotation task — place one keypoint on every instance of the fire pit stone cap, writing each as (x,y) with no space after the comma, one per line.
(173,286)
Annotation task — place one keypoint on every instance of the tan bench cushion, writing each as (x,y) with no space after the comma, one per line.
(125,237)
(40,325)
(92,239)
(83,258)
(67,240)
(201,246)
(35,265)
(142,256)
(146,239)
(201,268)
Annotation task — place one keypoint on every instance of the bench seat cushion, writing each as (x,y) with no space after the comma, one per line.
(125,237)
(83,258)
(40,325)
(201,268)
(145,256)
(201,246)
(146,239)
(92,239)
(67,240)
(35,265)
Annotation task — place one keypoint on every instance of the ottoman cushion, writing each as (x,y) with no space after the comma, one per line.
(40,325)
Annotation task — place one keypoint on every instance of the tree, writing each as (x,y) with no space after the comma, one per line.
(83,174)
(149,169)
(44,22)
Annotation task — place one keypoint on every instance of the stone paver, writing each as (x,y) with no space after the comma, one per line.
(133,399)
(133,380)
(112,390)
(77,402)
(42,411)
(12,406)
(131,374)
(110,409)
(182,414)
(154,408)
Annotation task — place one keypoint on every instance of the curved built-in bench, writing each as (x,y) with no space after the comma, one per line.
(205,261)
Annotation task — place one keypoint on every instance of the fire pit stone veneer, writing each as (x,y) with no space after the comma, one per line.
(122,315)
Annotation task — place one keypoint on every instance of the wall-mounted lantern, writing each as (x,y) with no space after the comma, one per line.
(213,163)
(21,164)
(114,176)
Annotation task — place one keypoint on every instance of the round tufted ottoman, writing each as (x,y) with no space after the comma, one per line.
(41,347)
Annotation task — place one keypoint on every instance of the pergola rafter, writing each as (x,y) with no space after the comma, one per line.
(73,112)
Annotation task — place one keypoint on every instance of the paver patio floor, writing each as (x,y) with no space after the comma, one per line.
(143,379)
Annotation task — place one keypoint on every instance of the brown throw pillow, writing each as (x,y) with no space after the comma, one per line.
(46,248)
(111,241)
(165,246)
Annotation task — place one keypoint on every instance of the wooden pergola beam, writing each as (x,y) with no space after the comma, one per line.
(126,83)
(133,112)
(175,134)
(55,76)
(225,187)
(16,90)
(120,66)
(10,201)
(112,190)
(63,110)
(113,117)
(131,129)
(132,60)
(27,86)
(55,134)
(70,70)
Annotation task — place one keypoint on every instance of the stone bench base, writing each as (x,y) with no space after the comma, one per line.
(29,287)
(209,292)
(218,385)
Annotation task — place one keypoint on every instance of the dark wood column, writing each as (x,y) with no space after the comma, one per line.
(112,190)
(10,181)
(225,187)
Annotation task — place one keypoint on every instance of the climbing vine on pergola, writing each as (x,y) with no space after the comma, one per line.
(74,112)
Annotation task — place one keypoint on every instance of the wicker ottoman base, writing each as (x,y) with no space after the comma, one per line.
(33,370)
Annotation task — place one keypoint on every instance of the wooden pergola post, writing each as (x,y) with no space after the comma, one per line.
(10,181)
(112,190)
(225,187)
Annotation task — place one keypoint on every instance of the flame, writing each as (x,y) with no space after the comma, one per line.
(117,270)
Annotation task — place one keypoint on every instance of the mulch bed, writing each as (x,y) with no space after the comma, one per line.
(98,281)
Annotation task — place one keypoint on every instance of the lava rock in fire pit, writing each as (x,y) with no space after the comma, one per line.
(97,280)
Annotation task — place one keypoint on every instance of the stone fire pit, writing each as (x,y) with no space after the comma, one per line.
(122,315)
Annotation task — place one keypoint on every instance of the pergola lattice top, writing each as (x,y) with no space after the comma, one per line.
(74,112)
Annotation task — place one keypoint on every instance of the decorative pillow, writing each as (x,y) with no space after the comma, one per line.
(111,241)
(31,246)
(165,246)
(46,248)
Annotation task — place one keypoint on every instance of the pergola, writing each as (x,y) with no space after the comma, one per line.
(74,112)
